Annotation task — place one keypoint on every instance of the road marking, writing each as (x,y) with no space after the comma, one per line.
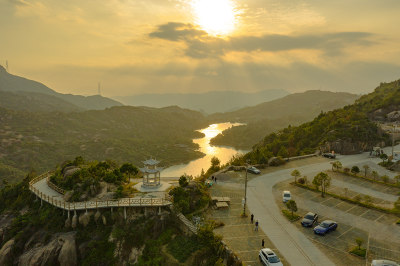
(324,200)
(379,217)
(351,208)
(246,251)
(338,204)
(364,213)
(345,232)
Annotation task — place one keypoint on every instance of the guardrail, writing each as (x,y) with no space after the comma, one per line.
(54,186)
(85,205)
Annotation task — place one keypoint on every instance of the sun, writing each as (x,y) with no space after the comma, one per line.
(216,17)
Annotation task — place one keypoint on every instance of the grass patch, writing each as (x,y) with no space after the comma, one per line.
(358,252)
(181,247)
(396,185)
(398,222)
(289,215)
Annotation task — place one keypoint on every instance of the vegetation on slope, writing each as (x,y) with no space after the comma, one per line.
(271,116)
(351,123)
(41,140)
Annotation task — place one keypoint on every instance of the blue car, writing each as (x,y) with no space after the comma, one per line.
(325,227)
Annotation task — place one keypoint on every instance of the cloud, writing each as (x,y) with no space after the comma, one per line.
(200,45)
(175,31)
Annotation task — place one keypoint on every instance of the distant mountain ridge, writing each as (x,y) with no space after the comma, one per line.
(16,85)
(209,102)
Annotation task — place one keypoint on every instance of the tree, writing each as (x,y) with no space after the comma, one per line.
(397,178)
(336,165)
(129,169)
(283,152)
(366,169)
(374,174)
(359,242)
(215,162)
(383,157)
(322,180)
(355,170)
(295,173)
(385,178)
(183,181)
(292,206)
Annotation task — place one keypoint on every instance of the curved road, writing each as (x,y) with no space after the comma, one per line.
(295,247)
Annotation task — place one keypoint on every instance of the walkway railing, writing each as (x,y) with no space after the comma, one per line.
(85,205)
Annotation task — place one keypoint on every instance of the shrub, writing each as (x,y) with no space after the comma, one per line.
(355,169)
(346,170)
(301,180)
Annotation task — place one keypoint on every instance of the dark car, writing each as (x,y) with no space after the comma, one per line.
(253,170)
(309,219)
(329,155)
(325,227)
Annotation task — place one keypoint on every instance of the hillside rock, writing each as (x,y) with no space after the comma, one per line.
(6,251)
(60,250)
(69,171)
(347,147)
(393,116)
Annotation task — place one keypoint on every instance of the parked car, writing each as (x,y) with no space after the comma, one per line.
(286,195)
(384,263)
(329,155)
(268,257)
(253,170)
(309,219)
(325,227)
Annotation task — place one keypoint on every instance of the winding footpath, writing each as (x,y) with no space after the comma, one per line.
(294,245)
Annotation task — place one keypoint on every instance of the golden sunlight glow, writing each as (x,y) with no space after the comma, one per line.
(216,17)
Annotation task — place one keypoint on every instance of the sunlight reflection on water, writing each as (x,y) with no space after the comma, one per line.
(222,153)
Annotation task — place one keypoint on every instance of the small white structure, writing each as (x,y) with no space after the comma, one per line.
(396,156)
(151,174)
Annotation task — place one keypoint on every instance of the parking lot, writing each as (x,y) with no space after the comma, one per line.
(337,244)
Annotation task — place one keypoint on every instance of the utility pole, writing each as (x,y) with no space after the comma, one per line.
(245,194)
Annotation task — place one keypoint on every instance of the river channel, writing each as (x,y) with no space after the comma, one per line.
(223,153)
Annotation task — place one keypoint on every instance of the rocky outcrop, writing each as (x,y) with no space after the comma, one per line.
(347,147)
(60,250)
(70,170)
(393,116)
(5,252)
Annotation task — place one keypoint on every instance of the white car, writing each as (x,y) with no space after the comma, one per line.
(384,263)
(286,195)
(268,257)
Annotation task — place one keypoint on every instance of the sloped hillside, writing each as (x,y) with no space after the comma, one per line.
(40,140)
(351,129)
(268,117)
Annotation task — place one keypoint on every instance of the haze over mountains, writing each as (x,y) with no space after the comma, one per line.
(209,102)
(38,94)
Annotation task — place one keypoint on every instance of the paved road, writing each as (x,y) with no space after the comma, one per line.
(294,246)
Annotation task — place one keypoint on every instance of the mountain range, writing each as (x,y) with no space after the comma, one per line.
(16,91)
(209,102)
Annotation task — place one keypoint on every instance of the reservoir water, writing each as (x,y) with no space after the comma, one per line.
(223,153)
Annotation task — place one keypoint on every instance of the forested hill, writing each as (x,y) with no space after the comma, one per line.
(299,105)
(41,140)
(270,116)
(25,87)
(348,130)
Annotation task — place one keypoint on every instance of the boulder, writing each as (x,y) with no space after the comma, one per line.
(68,223)
(6,252)
(74,221)
(97,216)
(70,170)
(67,196)
(135,254)
(84,218)
(67,255)
(103,218)
(60,250)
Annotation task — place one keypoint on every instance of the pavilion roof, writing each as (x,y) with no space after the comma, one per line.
(150,171)
(151,162)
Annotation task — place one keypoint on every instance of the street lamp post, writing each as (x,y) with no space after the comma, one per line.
(245,194)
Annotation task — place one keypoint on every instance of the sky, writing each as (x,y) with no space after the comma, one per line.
(193,46)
